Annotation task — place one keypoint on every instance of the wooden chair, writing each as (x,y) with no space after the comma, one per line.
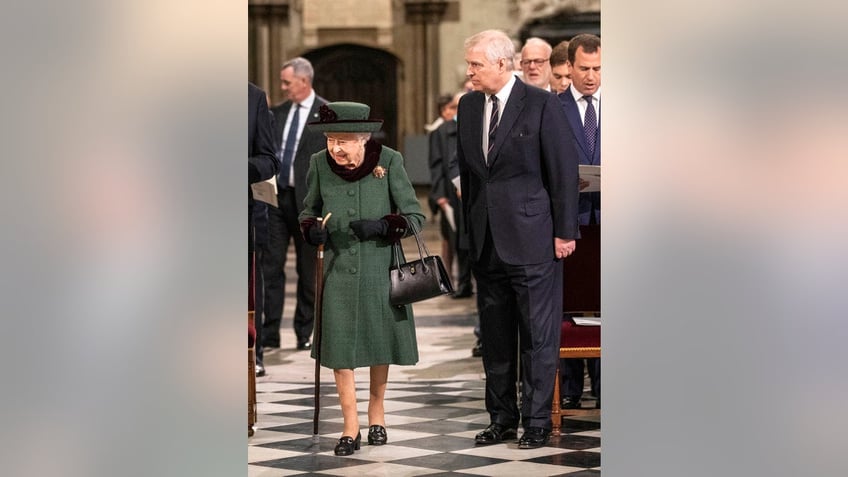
(581,295)
(251,374)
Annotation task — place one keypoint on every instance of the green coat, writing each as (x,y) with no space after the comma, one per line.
(359,326)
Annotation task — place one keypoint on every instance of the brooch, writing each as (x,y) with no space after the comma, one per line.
(379,172)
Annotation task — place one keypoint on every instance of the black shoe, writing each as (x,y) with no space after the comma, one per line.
(304,345)
(377,435)
(260,370)
(271,345)
(533,438)
(348,444)
(477,350)
(570,402)
(495,433)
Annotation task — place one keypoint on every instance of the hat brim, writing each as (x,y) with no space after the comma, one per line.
(346,126)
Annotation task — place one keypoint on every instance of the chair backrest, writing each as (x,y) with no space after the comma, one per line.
(581,291)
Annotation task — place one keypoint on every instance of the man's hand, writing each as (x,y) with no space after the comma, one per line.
(564,248)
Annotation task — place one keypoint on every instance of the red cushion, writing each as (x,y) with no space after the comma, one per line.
(251,335)
(574,336)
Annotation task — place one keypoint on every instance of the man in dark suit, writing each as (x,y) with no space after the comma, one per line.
(518,180)
(261,165)
(297,144)
(584,60)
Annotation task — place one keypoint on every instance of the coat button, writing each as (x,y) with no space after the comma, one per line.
(352,251)
(352,270)
(351,212)
(351,192)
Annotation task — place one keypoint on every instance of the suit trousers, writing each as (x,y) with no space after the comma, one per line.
(283,228)
(572,376)
(520,309)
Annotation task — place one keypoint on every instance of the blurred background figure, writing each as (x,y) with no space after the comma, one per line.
(560,75)
(442,140)
(535,56)
(442,156)
(295,145)
(446,112)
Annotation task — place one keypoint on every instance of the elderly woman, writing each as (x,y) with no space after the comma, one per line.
(366,188)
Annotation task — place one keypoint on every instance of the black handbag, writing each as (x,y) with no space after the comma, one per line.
(419,279)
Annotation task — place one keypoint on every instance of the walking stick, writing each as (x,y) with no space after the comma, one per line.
(316,340)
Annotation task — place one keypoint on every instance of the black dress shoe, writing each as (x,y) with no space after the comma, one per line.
(348,444)
(377,435)
(533,438)
(570,402)
(495,434)
(477,350)
(260,370)
(271,345)
(304,345)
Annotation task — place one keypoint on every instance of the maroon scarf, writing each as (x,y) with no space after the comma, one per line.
(372,157)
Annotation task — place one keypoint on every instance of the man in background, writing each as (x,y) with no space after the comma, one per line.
(296,145)
(560,75)
(443,195)
(535,65)
(582,104)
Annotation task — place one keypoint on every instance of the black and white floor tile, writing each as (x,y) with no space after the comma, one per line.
(431,427)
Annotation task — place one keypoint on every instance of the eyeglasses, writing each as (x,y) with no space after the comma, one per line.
(538,62)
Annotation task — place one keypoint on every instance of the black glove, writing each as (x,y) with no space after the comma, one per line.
(253,173)
(316,235)
(368,229)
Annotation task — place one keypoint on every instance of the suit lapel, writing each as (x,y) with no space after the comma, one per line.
(479,99)
(573,115)
(312,116)
(513,108)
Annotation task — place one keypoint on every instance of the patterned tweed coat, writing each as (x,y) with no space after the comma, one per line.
(359,326)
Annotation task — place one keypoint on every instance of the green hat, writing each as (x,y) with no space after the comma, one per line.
(345,116)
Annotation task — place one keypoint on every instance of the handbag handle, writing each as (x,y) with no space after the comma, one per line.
(422,249)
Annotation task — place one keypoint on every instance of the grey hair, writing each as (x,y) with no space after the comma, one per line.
(301,68)
(539,42)
(498,45)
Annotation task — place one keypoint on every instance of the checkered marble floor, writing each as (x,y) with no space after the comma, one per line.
(431,427)
(433,409)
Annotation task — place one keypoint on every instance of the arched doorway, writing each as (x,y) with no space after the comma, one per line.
(348,72)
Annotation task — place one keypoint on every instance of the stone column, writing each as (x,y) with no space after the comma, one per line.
(425,16)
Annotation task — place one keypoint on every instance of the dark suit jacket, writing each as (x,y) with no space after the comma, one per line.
(310,143)
(261,151)
(442,149)
(588,200)
(527,195)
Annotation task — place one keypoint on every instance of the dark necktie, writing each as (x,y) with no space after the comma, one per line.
(493,125)
(288,149)
(590,125)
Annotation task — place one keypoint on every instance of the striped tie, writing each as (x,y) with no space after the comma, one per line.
(493,125)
